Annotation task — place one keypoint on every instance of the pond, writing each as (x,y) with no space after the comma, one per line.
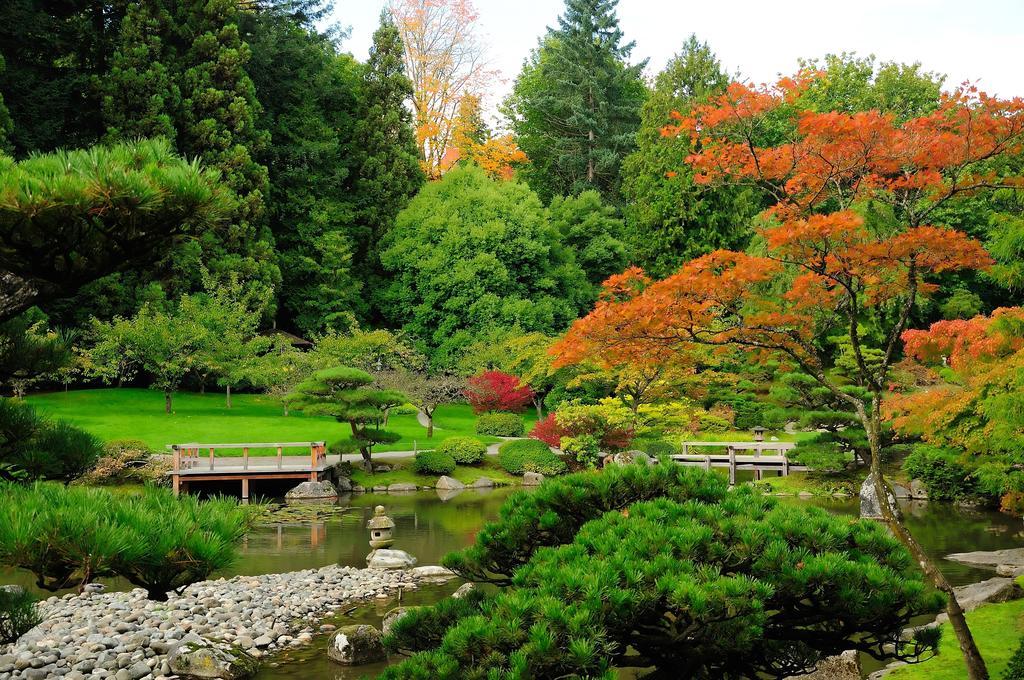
(429,527)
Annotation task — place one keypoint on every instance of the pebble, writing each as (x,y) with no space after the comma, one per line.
(125,636)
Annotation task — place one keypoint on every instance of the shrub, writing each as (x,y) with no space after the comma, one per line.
(657,447)
(433,463)
(529,455)
(500,424)
(41,448)
(464,450)
(548,431)
(17,613)
(497,391)
(69,535)
(946,477)
(127,460)
(1015,668)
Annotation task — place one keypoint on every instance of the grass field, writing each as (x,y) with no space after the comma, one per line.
(128,413)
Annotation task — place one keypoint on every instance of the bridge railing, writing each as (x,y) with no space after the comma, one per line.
(187,456)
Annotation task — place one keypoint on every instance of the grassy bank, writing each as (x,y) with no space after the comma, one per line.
(404,473)
(129,413)
(997,628)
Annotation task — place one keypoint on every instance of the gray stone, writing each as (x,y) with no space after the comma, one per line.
(447,483)
(630,457)
(532,478)
(358,488)
(994,590)
(990,558)
(1009,570)
(482,483)
(343,483)
(918,490)
(391,616)
(306,490)
(382,467)
(870,507)
(463,590)
(401,486)
(196,657)
(356,645)
(433,573)
(845,666)
(390,559)
(138,670)
(900,491)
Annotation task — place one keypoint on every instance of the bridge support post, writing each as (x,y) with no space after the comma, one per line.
(245,488)
(732,466)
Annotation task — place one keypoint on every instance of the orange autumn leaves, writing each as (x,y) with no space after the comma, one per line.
(821,264)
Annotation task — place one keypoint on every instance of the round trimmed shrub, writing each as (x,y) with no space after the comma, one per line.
(434,463)
(500,424)
(465,450)
(529,455)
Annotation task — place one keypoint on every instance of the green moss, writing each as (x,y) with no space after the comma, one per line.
(997,628)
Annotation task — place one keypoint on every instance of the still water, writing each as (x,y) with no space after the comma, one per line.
(429,527)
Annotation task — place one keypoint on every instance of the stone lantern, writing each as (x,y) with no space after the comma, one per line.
(759,433)
(381,528)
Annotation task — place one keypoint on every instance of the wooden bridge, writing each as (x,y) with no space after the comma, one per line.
(765,457)
(199,463)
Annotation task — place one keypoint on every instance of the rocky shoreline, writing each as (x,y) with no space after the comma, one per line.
(125,636)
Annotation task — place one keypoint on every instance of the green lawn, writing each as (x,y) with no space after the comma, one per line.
(128,413)
(997,628)
(403,472)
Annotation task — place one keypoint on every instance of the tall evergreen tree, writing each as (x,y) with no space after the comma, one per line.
(575,106)
(671,219)
(388,171)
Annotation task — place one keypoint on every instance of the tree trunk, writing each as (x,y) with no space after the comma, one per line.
(976,669)
(285,407)
(538,404)
(430,423)
(167,401)
(227,394)
(367,463)
(202,386)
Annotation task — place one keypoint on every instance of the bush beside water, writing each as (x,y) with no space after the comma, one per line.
(434,463)
(465,450)
(529,455)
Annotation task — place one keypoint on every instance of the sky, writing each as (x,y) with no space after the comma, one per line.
(977,40)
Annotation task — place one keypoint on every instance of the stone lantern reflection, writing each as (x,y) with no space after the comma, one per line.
(382,529)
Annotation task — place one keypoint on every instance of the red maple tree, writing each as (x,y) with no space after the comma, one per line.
(847,244)
(497,391)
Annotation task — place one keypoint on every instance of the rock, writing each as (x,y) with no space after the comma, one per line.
(138,670)
(464,589)
(845,666)
(343,483)
(358,488)
(448,494)
(447,483)
(393,615)
(12,589)
(196,657)
(433,573)
(532,478)
(356,645)
(900,491)
(401,486)
(482,483)
(994,590)
(382,467)
(307,490)
(918,490)
(990,558)
(630,457)
(93,588)
(390,559)
(870,508)
(380,488)
(1010,570)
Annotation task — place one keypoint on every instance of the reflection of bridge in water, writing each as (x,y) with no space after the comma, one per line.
(758,461)
(198,463)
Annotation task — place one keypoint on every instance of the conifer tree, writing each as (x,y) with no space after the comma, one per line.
(575,106)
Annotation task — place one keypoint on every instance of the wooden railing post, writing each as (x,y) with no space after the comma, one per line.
(245,458)
(211,457)
(280,450)
(175,477)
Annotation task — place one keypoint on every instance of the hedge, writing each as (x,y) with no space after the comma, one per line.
(529,455)
(433,463)
(465,450)
(500,424)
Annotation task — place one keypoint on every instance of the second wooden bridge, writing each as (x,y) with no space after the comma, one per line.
(760,457)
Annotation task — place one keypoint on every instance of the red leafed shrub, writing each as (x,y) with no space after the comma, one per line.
(497,391)
(549,431)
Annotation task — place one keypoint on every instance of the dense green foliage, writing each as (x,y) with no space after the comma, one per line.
(35,447)
(465,450)
(469,253)
(575,106)
(69,535)
(18,613)
(942,471)
(1015,668)
(591,229)
(665,567)
(500,424)
(529,455)
(434,463)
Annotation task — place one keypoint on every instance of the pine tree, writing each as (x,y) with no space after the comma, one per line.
(6,124)
(575,107)
(389,172)
(671,219)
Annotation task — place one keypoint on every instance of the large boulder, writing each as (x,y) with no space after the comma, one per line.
(196,657)
(845,666)
(994,590)
(630,457)
(482,483)
(1013,557)
(433,573)
(390,559)
(356,645)
(870,507)
(447,483)
(391,616)
(464,590)
(918,490)
(398,487)
(532,479)
(308,490)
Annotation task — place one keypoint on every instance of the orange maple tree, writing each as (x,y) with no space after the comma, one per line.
(846,244)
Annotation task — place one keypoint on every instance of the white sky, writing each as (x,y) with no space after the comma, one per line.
(977,40)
